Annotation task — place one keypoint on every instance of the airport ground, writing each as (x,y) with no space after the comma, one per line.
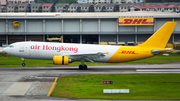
(34,83)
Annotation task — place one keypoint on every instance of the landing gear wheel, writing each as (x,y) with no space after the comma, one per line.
(82,67)
(85,67)
(23,64)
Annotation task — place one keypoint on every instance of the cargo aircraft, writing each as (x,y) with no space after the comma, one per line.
(64,53)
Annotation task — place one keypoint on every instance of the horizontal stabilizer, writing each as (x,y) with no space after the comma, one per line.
(156,51)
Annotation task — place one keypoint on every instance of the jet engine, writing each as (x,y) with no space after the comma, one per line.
(61,60)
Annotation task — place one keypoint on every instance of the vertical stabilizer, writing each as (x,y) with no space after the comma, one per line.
(161,37)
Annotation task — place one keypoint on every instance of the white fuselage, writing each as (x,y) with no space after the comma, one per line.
(47,50)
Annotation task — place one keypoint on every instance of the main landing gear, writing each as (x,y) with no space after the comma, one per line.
(82,66)
(23,64)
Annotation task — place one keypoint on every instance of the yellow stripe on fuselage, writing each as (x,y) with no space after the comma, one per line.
(130,53)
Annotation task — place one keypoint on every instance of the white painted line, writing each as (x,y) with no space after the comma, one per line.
(115,90)
(124,91)
(159,70)
(107,91)
(19,88)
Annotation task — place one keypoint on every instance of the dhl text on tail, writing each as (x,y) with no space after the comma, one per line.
(64,53)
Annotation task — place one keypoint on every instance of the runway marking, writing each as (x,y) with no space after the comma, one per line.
(19,88)
(52,87)
(159,70)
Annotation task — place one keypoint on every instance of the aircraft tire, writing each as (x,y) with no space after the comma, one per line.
(80,67)
(23,64)
(85,67)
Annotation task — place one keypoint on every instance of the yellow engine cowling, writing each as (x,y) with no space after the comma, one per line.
(61,60)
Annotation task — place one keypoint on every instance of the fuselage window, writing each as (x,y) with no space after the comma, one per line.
(11,46)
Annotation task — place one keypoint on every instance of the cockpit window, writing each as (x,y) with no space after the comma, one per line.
(11,46)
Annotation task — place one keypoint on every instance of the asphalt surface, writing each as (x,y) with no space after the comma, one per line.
(34,83)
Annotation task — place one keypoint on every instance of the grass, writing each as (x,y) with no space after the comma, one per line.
(10,61)
(141,86)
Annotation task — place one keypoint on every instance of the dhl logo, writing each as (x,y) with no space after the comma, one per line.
(136,21)
(16,24)
(128,52)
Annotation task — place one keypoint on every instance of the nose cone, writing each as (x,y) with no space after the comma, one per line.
(5,50)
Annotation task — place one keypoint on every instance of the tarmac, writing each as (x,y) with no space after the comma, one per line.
(34,83)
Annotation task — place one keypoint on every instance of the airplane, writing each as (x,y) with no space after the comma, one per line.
(64,53)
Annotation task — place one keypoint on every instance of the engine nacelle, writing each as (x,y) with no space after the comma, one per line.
(61,60)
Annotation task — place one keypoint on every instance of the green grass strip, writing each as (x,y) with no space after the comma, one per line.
(141,86)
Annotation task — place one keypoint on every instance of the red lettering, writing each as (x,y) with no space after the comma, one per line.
(53,48)
(144,21)
(128,21)
(123,52)
(47,48)
(63,48)
(128,52)
(43,47)
(35,47)
(67,48)
(133,52)
(71,49)
(32,47)
(59,49)
(50,48)
(136,21)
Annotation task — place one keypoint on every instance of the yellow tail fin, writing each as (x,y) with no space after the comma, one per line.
(161,37)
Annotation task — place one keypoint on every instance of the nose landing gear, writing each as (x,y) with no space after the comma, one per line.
(23,64)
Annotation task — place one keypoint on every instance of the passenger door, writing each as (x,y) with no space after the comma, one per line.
(21,47)
(23,50)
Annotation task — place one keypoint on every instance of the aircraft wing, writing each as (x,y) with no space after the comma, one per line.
(86,56)
(156,51)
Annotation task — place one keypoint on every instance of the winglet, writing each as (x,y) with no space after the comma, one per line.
(161,37)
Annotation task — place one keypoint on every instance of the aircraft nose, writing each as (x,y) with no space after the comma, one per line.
(5,50)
